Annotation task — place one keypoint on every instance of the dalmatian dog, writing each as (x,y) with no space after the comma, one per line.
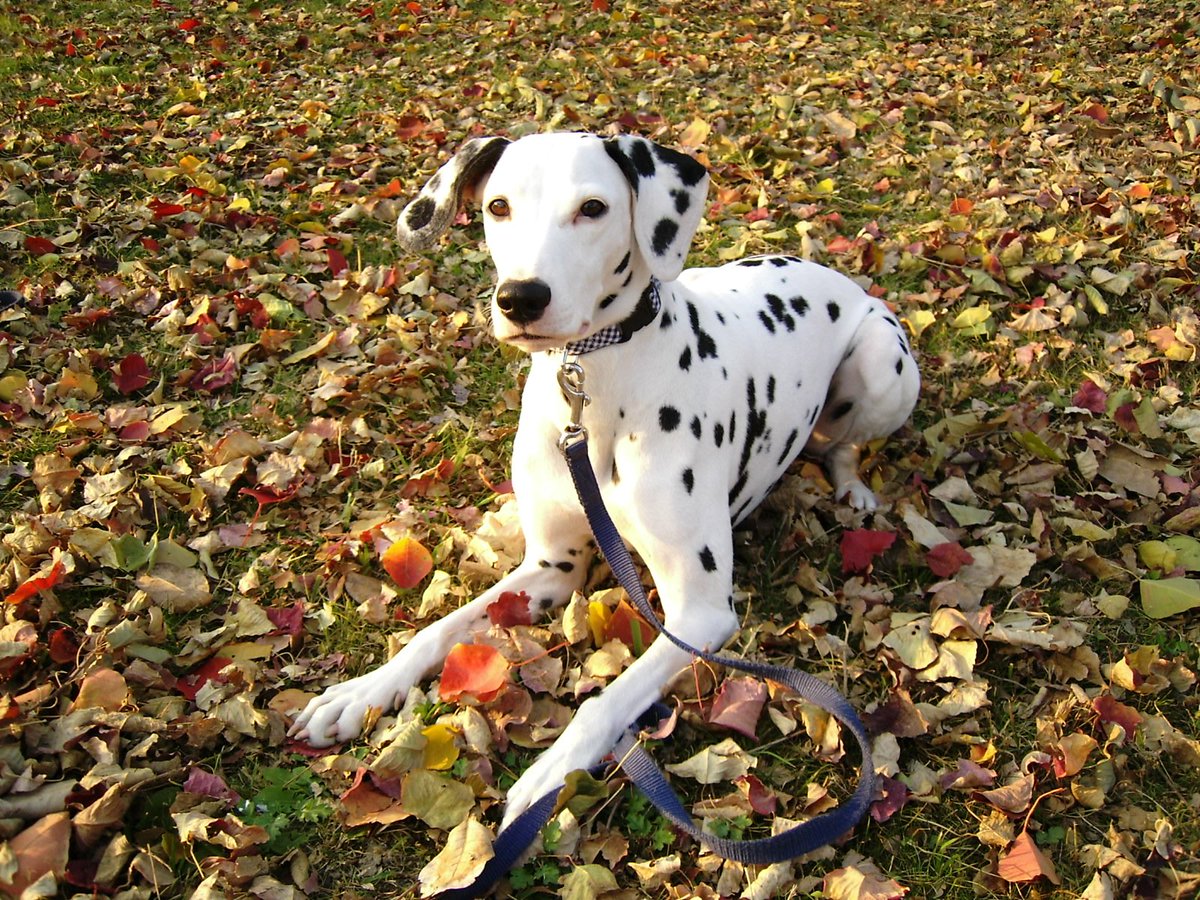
(704,386)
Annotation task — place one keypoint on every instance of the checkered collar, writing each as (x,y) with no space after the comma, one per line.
(643,314)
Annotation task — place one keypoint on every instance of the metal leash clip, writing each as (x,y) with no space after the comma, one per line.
(570,382)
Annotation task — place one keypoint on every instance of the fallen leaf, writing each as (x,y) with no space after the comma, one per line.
(1169,596)
(860,547)
(39,850)
(721,762)
(103,689)
(1023,862)
(439,801)
(407,562)
(477,670)
(468,848)
(738,705)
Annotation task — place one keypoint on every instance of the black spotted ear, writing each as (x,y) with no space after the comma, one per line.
(669,190)
(427,217)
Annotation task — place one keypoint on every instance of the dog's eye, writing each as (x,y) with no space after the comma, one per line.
(593,209)
(499,208)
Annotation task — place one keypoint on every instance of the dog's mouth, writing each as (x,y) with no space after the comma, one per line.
(532,342)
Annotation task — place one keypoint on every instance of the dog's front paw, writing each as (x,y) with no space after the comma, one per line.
(340,712)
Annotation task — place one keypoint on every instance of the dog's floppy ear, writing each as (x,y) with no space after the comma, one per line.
(425,219)
(669,190)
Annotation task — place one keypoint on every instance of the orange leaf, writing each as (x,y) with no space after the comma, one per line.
(961,206)
(475,669)
(40,848)
(408,562)
(103,689)
(1025,862)
(37,583)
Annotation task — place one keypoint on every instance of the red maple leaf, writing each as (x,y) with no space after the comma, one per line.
(946,559)
(131,374)
(510,608)
(860,546)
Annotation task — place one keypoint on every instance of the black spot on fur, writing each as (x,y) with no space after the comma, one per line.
(665,322)
(685,359)
(834,311)
(756,427)
(643,161)
(705,345)
(607,301)
(689,479)
(719,434)
(787,446)
(664,234)
(900,365)
(799,305)
(812,415)
(682,201)
(771,389)
(767,321)
(690,172)
(778,261)
(707,560)
(750,262)
(420,213)
(544,563)
(545,603)
(565,566)
(841,409)
(697,428)
(624,262)
(668,418)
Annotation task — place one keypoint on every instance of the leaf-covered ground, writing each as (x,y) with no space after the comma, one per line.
(225,398)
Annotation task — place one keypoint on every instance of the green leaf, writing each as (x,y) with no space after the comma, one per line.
(1169,597)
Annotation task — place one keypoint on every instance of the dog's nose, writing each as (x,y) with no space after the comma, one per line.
(523,301)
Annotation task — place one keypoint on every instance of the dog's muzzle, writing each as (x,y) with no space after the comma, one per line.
(523,302)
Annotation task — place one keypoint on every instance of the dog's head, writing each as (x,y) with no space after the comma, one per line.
(575,224)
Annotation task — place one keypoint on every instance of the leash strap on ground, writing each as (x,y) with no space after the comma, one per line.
(641,769)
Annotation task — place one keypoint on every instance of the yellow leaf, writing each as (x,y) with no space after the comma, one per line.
(190,164)
(440,750)
(599,616)
(973,317)
(695,134)
(918,320)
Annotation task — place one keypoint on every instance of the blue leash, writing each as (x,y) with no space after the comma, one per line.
(631,756)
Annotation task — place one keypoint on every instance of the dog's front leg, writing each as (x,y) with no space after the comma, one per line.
(600,720)
(552,570)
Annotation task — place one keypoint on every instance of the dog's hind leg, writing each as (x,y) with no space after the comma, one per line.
(871,395)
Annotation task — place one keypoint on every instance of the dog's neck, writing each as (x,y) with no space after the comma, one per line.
(645,311)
